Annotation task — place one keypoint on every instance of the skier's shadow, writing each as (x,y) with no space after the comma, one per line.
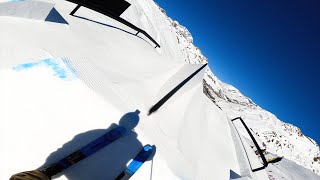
(108,162)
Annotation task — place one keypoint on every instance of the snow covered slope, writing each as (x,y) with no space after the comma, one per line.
(281,138)
(286,169)
(276,136)
(67,83)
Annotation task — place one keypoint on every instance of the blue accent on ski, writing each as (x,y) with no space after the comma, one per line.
(103,141)
(134,166)
(147,147)
(139,159)
(84,152)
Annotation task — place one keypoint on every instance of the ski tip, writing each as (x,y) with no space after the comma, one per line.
(147,147)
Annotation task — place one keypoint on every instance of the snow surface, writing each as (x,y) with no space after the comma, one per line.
(286,169)
(63,85)
(26,9)
(276,136)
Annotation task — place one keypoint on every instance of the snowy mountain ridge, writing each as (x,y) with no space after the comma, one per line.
(192,54)
(280,138)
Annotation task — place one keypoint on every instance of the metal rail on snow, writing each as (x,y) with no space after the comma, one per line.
(265,162)
(173,91)
(112,9)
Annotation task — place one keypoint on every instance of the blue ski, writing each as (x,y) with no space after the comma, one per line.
(136,163)
(84,152)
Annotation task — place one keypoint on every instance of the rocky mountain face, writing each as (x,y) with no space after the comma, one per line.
(191,53)
(277,137)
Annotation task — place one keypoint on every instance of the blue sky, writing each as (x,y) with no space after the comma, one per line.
(269,50)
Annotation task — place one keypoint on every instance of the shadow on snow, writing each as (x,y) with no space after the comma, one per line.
(110,26)
(107,163)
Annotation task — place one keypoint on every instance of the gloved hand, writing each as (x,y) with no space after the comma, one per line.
(30,175)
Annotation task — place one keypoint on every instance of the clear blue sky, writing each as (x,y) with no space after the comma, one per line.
(269,50)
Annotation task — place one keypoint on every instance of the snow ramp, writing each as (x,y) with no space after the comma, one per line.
(63,85)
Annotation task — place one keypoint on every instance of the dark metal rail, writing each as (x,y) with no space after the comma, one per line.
(265,163)
(111,15)
(173,91)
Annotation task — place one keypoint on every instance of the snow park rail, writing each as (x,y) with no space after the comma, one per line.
(265,162)
(112,9)
(173,91)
